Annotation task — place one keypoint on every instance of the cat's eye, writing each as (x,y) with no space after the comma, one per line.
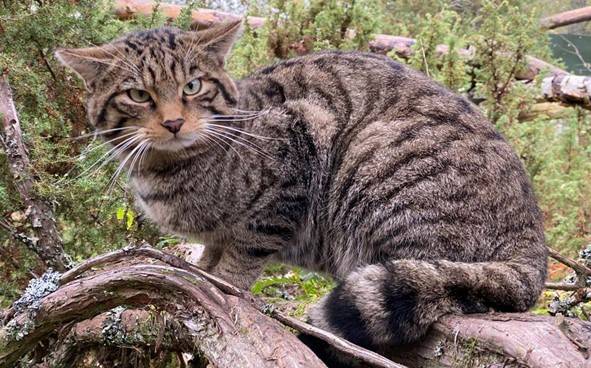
(192,88)
(138,95)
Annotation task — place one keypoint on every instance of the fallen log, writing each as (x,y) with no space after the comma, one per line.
(569,89)
(566,18)
(119,328)
(229,321)
(202,18)
(381,43)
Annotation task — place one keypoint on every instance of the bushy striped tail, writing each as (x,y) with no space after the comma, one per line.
(395,302)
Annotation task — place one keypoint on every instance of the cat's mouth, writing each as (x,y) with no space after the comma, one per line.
(176,142)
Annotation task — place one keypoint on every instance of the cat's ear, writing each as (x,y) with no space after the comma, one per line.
(219,39)
(86,62)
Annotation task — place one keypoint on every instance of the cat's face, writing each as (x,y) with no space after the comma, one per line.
(157,88)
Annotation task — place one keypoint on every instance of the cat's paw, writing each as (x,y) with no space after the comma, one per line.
(190,252)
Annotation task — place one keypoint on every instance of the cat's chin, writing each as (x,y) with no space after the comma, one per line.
(174,144)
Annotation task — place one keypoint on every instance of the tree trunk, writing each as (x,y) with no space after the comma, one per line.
(47,244)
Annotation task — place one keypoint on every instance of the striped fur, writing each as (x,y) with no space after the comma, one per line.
(370,172)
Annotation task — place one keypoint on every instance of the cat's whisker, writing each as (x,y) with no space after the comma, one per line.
(121,166)
(254,113)
(223,129)
(192,47)
(114,152)
(90,148)
(101,61)
(248,116)
(206,135)
(143,144)
(247,111)
(106,158)
(134,160)
(121,58)
(245,132)
(145,154)
(106,131)
(222,138)
(245,143)
(207,140)
(231,120)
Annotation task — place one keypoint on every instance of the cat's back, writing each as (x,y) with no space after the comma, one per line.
(407,162)
(348,89)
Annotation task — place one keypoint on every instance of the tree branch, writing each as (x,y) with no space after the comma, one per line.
(566,18)
(48,245)
(579,268)
(226,329)
(189,271)
(230,330)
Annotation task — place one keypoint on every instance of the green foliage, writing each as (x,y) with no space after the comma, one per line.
(291,288)
(295,27)
(250,52)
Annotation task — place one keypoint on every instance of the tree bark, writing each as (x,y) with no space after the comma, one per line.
(202,18)
(47,244)
(211,318)
(246,339)
(402,46)
(501,340)
(566,18)
(226,329)
(568,89)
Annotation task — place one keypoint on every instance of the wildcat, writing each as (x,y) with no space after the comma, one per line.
(343,162)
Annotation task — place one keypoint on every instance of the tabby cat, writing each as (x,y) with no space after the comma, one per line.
(346,163)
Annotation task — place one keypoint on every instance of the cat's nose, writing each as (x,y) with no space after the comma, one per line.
(173,126)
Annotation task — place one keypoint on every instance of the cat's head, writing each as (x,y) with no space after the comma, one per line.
(159,87)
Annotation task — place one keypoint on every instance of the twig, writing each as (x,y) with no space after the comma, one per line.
(29,242)
(348,348)
(576,52)
(576,266)
(562,286)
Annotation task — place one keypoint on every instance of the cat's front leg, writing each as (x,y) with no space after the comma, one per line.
(241,266)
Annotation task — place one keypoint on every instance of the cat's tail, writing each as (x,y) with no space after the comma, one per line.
(395,302)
